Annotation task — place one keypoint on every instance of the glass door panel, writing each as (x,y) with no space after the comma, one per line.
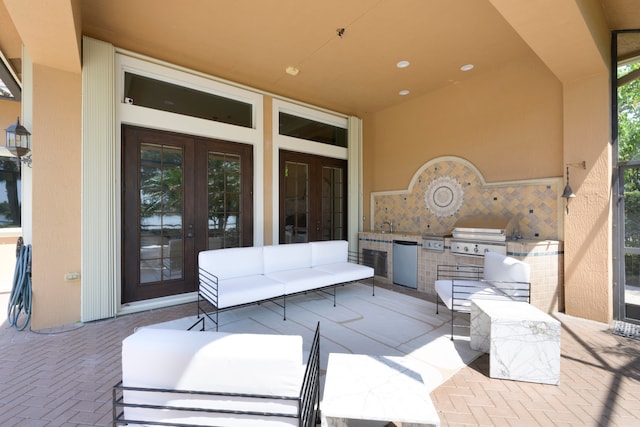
(225,200)
(161,221)
(333,202)
(296,202)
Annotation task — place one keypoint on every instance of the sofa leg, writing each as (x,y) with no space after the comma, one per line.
(284,307)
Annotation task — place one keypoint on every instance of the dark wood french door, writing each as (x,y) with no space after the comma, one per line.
(180,195)
(313,198)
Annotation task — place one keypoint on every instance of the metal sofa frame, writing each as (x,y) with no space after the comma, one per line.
(208,292)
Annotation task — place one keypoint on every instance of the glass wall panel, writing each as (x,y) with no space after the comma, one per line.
(10,196)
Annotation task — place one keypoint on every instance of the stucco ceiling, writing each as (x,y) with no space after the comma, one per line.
(253,42)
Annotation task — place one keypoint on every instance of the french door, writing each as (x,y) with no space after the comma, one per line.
(313,198)
(180,195)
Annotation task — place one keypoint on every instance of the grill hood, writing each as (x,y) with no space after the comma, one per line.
(483,227)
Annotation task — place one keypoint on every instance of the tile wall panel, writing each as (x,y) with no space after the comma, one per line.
(535,205)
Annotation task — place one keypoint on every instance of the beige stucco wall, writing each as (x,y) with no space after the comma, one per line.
(507,122)
(588,238)
(56,150)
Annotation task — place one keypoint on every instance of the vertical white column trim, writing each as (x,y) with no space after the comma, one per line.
(99,186)
(26,216)
(354,186)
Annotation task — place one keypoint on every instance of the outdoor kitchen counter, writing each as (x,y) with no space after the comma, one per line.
(544,256)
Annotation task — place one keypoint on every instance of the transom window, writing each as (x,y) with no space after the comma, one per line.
(160,95)
(312,130)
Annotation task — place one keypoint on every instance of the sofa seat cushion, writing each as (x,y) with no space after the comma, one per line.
(303,279)
(215,362)
(465,291)
(346,271)
(248,289)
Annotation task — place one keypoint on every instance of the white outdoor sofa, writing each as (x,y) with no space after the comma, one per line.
(235,277)
(189,378)
(499,278)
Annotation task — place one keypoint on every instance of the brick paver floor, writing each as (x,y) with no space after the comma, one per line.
(599,386)
(64,378)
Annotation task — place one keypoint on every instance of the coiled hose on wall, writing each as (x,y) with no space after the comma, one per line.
(20,299)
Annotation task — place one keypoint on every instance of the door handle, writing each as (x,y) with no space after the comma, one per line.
(190,232)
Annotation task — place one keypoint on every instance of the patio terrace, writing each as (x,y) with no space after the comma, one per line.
(63,377)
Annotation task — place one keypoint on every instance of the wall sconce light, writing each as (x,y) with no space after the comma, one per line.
(568,192)
(19,142)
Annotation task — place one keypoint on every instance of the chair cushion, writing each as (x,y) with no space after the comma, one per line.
(465,291)
(507,273)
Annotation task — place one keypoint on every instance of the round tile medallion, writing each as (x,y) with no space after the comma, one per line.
(444,196)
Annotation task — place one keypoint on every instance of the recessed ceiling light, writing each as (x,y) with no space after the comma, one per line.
(402,64)
(467,67)
(292,71)
(404,92)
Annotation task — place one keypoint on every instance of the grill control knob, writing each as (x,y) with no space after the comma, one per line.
(476,249)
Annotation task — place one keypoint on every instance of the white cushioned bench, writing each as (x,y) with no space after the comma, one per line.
(238,276)
(216,379)
(499,278)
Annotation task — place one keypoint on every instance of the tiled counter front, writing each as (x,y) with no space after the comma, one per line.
(545,258)
(547,271)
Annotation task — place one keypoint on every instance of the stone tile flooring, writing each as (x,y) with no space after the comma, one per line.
(64,378)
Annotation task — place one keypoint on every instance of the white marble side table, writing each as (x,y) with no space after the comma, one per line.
(522,341)
(378,389)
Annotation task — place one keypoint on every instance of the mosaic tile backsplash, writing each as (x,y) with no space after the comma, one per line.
(449,188)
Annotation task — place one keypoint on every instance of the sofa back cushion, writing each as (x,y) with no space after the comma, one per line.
(213,361)
(287,257)
(507,273)
(261,364)
(329,252)
(232,262)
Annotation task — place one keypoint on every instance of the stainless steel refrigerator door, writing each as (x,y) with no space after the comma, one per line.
(405,263)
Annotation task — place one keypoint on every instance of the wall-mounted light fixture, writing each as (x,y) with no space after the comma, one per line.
(19,142)
(568,192)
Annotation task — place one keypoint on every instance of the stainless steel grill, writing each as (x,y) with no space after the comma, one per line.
(475,235)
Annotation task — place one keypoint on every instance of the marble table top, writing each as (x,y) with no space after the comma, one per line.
(376,388)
